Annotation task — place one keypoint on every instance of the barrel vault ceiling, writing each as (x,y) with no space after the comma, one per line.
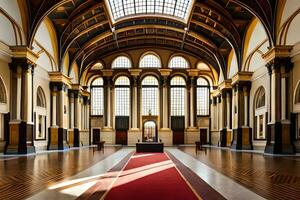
(86,32)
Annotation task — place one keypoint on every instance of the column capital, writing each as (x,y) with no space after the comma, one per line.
(58,86)
(135,72)
(107,72)
(23,63)
(165,72)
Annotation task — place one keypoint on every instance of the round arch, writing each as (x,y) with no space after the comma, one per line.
(153,58)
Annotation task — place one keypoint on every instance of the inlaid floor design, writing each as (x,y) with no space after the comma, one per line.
(21,177)
(269,177)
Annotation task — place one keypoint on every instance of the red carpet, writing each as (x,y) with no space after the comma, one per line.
(148,177)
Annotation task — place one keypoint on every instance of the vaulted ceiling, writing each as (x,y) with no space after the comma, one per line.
(86,32)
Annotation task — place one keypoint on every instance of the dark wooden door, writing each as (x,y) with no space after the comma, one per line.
(121,137)
(96,136)
(203,136)
(178,137)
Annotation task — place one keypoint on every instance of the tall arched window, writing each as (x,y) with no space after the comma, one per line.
(40,98)
(178,96)
(121,62)
(150,61)
(202,97)
(97,97)
(122,96)
(260,114)
(178,62)
(41,113)
(150,96)
(3,98)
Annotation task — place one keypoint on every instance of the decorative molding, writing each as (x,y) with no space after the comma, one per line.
(135,72)
(225,85)
(107,72)
(60,77)
(193,72)
(165,72)
(24,52)
(277,52)
(241,77)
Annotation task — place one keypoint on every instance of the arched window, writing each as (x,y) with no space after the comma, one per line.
(178,62)
(40,98)
(3,98)
(121,62)
(202,97)
(41,113)
(150,61)
(150,96)
(97,97)
(260,98)
(297,98)
(122,96)
(260,114)
(178,96)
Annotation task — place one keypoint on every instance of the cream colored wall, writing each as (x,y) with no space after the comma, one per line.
(289,8)
(12,8)
(41,79)
(260,78)
(7,34)
(5,76)
(232,64)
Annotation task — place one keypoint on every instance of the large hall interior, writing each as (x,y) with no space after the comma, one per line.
(149,99)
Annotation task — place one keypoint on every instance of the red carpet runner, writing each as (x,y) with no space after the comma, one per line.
(150,177)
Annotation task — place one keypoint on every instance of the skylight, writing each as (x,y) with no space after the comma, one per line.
(179,9)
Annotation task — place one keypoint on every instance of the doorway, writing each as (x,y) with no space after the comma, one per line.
(150,131)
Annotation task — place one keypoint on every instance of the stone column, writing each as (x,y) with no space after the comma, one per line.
(165,103)
(58,132)
(71,99)
(107,103)
(279,128)
(228,109)
(242,134)
(192,102)
(134,102)
(21,133)
(54,107)
(246,104)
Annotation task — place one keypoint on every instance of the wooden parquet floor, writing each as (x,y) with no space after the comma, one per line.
(270,177)
(22,177)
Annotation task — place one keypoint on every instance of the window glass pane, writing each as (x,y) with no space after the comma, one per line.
(176,8)
(121,62)
(97,97)
(150,96)
(178,96)
(150,61)
(177,101)
(178,62)
(97,101)
(202,97)
(122,96)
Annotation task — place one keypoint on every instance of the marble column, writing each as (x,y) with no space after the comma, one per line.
(192,102)
(165,103)
(134,102)
(279,128)
(21,134)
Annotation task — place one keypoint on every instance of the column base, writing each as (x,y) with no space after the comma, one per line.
(58,139)
(223,138)
(242,139)
(20,138)
(74,138)
(279,139)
